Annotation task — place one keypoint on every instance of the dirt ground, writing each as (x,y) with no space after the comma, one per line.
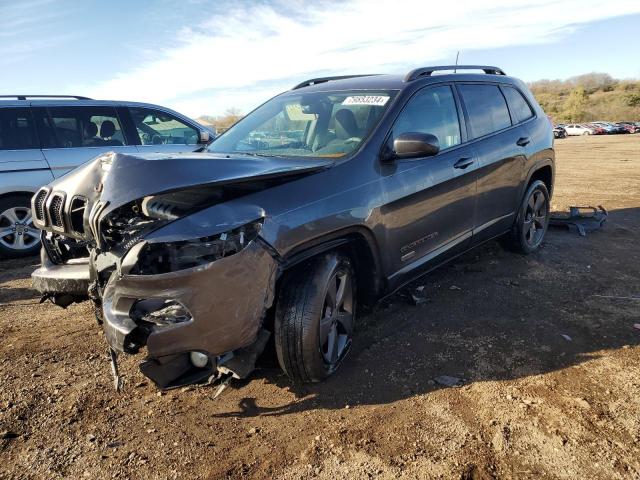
(545,344)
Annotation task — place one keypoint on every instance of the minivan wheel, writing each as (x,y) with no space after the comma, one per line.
(315,317)
(18,236)
(532,220)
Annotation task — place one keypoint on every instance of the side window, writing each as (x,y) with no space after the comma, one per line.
(16,129)
(486,107)
(431,110)
(83,127)
(518,104)
(160,128)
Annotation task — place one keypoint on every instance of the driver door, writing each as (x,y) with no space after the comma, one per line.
(430,211)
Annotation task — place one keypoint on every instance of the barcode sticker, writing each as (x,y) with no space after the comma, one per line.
(376,100)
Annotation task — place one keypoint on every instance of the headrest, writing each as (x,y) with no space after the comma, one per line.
(347,120)
(107,129)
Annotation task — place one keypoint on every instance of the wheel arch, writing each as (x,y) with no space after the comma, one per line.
(359,244)
(17,193)
(544,171)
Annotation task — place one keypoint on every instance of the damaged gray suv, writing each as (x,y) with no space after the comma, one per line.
(333,194)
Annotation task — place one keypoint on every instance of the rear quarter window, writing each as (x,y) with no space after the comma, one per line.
(16,129)
(486,107)
(518,105)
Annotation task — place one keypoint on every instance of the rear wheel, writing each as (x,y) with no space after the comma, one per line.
(532,220)
(315,317)
(18,236)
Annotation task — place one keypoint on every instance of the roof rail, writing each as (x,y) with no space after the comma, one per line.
(24,97)
(427,71)
(315,81)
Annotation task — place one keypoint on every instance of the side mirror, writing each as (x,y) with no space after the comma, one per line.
(415,145)
(203,136)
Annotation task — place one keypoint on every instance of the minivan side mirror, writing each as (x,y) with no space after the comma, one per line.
(203,136)
(415,144)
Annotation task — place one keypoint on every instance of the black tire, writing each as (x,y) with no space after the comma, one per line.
(307,325)
(17,239)
(532,221)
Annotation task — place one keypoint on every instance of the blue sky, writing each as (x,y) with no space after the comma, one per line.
(202,57)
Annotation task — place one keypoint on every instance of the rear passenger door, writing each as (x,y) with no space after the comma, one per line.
(72,135)
(162,132)
(500,145)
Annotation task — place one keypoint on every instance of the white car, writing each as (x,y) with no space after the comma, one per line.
(575,129)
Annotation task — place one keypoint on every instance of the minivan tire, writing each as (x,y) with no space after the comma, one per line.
(315,316)
(12,208)
(521,239)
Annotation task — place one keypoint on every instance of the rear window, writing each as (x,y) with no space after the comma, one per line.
(486,107)
(16,129)
(519,106)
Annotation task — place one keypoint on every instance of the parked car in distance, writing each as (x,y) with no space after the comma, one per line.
(577,129)
(597,130)
(559,132)
(373,181)
(44,137)
(611,128)
(629,126)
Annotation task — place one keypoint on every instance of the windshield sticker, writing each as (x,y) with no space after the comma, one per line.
(375,100)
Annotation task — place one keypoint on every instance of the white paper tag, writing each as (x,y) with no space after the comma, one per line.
(376,100)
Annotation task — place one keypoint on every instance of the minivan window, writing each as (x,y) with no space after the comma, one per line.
(519,106)
(486,107)
(85,127)
(432,110)
(159,128)
(16,129)
(329,124)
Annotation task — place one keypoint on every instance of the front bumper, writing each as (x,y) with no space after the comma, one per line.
(227,300)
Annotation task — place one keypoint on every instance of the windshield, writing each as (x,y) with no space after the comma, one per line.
(319,124)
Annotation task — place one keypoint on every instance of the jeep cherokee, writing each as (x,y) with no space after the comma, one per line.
(337,192)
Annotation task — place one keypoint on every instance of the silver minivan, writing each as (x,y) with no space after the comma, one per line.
(44,137)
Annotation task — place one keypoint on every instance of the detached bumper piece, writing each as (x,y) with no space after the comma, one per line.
(62,284)
(580,219)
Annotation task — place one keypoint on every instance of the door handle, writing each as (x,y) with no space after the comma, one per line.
(463,163)
(523,141)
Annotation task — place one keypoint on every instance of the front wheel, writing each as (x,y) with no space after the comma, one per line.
(315,317)
(18,236)
(532,221)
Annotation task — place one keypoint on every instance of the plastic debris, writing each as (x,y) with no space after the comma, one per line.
(566,337)
(580,219)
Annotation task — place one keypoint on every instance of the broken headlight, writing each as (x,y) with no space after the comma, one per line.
(156,258)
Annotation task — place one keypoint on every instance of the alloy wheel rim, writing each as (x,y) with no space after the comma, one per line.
(16,229)
(535,218)
(336,324)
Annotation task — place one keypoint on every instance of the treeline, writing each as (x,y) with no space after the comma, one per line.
(589,97)
(222,122)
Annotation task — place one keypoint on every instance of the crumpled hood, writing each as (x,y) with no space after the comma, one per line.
(113,180)
(117,178)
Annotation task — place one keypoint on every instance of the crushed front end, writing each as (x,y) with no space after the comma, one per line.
(184,275)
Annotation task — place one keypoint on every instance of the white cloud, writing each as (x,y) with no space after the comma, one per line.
(245,54)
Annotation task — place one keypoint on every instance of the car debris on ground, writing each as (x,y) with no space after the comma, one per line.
(580,219)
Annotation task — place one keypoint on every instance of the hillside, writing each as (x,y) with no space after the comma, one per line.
(593,96)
